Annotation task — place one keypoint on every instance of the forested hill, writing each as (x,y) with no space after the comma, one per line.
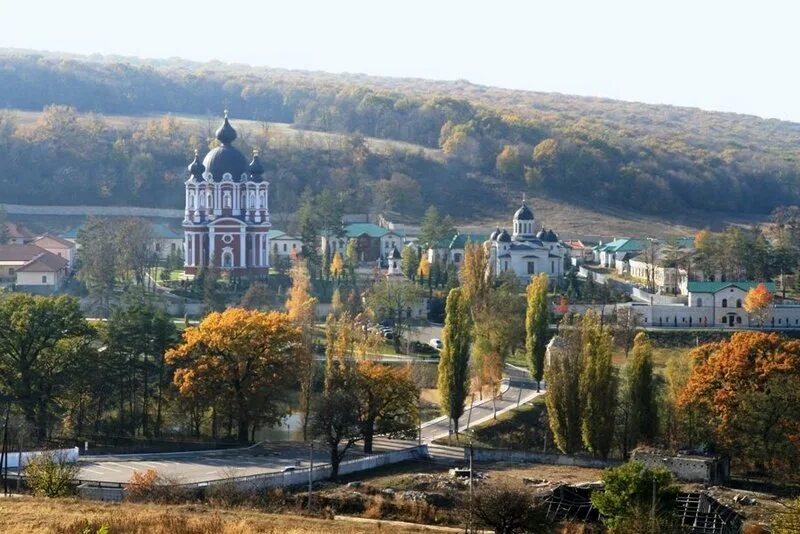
(494,142)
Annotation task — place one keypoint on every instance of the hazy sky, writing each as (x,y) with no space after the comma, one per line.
(719,55)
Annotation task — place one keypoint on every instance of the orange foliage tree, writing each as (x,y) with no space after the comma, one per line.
(744,394)
(757,302)
(244,357)
(388,398)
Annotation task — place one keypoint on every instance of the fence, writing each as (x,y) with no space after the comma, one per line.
(15,458)
(505,455)
(652,298)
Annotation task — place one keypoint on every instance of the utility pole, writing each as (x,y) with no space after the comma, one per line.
(419,423)
(471,405)
(471,454)
(653,506)
(310,472)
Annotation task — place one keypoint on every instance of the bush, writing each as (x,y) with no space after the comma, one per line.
(149,486)
(508,510)
(51,475)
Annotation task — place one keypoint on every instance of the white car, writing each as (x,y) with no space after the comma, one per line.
(436,343)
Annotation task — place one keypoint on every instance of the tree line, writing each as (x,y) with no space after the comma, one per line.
(585,149)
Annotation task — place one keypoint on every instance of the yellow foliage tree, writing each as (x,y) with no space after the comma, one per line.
(424,269)
(337,265)
(300,306)
(245,357)
(757,302)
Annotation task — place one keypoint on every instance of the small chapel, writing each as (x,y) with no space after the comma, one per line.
(226,220)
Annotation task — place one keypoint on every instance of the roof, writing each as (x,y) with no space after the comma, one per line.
(714,287)
(47,262)
(575,244)
(51,240)
(17,231)
(459,241)
(162,231)
(20,253)
(623,245)
(372,230)
(72,233)
(524,213)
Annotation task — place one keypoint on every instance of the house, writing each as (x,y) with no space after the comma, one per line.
(31,268)
(664,268)
(689,466)
(18,234)
(373,242)
(58,246)
(607,254)
(451,251)
(284,246)
(525,252)
(166,241)
(718,304)
(578,251)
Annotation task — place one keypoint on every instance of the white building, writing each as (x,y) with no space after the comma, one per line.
(284,245)
(525,252)
(58,246)
(31,268)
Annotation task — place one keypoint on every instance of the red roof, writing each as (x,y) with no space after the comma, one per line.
(44,263)
(35,259)
(42,241)
(17,231)
(19,252)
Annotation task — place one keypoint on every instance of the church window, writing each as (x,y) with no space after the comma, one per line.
(227,259)
(531,267)
(553,267)
(202,201)
(242,201)
(724,319)
(457,257)
(738,303)
(699,302)
(209,201)
(738,320)
(724,303)
(262,203)
(252,201)
(191,200)
(226,199)
(284,247)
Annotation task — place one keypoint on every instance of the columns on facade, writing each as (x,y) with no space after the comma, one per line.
(211,243)
(242,247)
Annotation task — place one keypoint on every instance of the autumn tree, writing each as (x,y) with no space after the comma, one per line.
(757,302)
(745,393)
(410,261)
(335,418)
(388,398)
(625,327)
(537,322)
(246,356)
(337,265)
(453,380)
(598,385)
(509,162)
(37,336)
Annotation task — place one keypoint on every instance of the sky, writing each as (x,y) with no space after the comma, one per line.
(727,56)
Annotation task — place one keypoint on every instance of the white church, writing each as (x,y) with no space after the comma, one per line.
(526,252)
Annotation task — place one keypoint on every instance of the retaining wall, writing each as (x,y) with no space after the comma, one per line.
(505,455)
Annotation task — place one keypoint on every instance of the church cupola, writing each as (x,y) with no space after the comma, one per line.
(226,134)
(394,263)
(226,159)
(255,168)
(196,169)
(524,223)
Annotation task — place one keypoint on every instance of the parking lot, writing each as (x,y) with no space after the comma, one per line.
(193,467)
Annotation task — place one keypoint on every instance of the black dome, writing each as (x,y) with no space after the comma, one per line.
(196,168)
(524,213)
(396,254)
(552,237)
(226,158)
(255,167)
(494,235)
(504,237)
(542,235)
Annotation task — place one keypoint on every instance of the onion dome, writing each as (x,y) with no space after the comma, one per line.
(494,235)
(504,237)
(196,168)
(226,158)
(542,235)
(395,255)
(552,237)
(255,168)
(524,213)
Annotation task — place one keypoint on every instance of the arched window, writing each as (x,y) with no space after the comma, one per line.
(738,303)
(724,303)
(202,201)
(227,259)
(209,201)
(191,200)
(252,201)
(724,319)
(243,201)
(262,202)
(226,199)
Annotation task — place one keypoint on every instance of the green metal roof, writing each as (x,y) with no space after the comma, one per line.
(623,245)
(459,241)
(372,230)
(714,287)
(164,232)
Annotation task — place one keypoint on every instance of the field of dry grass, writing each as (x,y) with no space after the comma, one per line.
(73,516)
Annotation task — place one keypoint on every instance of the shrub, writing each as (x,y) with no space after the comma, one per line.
(149,486)
(788,520)
(507,510)
(51,475)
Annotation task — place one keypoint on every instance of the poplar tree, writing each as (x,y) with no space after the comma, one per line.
(598,385)
(563,399)
(453,382)
(536,325)
(641,391)
(301,306)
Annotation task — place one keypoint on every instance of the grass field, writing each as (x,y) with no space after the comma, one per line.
(68,516)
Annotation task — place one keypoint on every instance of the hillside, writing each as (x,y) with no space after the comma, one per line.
(469,149)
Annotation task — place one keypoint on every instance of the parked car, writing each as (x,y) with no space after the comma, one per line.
(436,343)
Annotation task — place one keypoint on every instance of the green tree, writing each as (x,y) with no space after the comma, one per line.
(642,391)
(435,228)
(36,356)
(630,488)
(509,163)
(393,300)
(98,260)
(51,475)
(3,227)
(563,399)
(453,381)
(537,322)
(409,262)
(598,385)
